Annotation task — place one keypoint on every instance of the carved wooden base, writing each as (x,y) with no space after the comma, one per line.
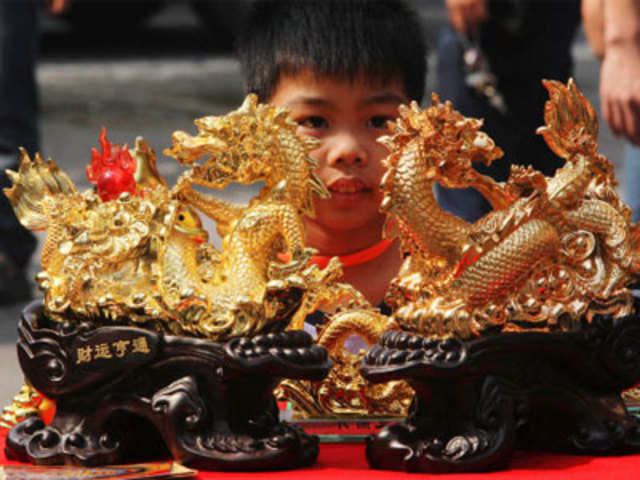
(479,400)
(127,394)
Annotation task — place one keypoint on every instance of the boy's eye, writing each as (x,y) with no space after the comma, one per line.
(313,121)
(378,121)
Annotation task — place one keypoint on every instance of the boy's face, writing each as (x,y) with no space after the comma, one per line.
(348,118)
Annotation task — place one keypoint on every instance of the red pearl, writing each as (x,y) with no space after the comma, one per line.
(111,183)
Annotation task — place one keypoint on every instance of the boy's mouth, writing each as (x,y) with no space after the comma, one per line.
(348,186)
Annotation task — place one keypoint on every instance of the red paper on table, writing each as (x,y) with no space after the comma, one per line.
(161,470)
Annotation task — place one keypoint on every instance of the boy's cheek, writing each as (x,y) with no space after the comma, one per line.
(377,165)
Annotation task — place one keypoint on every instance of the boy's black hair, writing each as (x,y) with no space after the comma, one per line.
(381,39)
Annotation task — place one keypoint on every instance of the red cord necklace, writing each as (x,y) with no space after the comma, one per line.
(350,259)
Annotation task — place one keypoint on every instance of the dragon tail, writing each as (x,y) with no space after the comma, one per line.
(366,322)
(571,124)
(34,181)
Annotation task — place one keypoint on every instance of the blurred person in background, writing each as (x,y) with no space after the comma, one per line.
(18,128)
(613,30)
(491,59)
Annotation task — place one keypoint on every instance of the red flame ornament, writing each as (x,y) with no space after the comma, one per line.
(112,170)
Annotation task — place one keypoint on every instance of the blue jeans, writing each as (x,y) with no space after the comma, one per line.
(519,66)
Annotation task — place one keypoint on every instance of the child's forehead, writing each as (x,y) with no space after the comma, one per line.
(308,83)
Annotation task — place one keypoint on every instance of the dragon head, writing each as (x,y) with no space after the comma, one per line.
(255,143)
(185,221)
(450,142)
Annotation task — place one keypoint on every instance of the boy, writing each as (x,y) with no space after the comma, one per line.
(341,68)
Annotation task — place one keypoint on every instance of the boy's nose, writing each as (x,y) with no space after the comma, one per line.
(346,150)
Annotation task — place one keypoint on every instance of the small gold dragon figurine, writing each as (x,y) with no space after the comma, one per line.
(27,403)
(133,251)
(344,392)
(554,250)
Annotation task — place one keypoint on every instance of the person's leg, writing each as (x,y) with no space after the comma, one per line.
(632,179)
(513,130)
(18,127)
(18,92)
(465,203)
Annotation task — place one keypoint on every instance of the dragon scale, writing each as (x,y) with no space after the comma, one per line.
(179,267)
(291,156)
(368,324)
(416,209)
(492,276)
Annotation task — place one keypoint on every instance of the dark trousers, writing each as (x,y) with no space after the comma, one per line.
(519,82)
(18,111)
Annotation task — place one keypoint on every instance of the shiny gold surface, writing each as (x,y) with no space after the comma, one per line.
(553,250)
(259,143)
(344,393)
(143,258)
(27,403)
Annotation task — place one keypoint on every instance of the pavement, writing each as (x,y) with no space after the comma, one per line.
(151,85)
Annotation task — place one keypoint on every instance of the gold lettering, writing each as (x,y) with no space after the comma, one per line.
(102,351)
(121,347)
(140,345)
(83,354)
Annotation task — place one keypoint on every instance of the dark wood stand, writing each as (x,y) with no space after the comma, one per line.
(128,394)
(477,401)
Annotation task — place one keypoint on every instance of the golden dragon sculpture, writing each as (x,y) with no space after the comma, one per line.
(344,393)
(139,254)
(554,250)
(259,143)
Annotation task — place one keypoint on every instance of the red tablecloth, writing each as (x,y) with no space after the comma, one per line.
(347,461)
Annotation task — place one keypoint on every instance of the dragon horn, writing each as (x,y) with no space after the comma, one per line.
(250,103)
(23,164)
(24,156)
(147,173)
(404,111)
(571,125)
(13,176)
